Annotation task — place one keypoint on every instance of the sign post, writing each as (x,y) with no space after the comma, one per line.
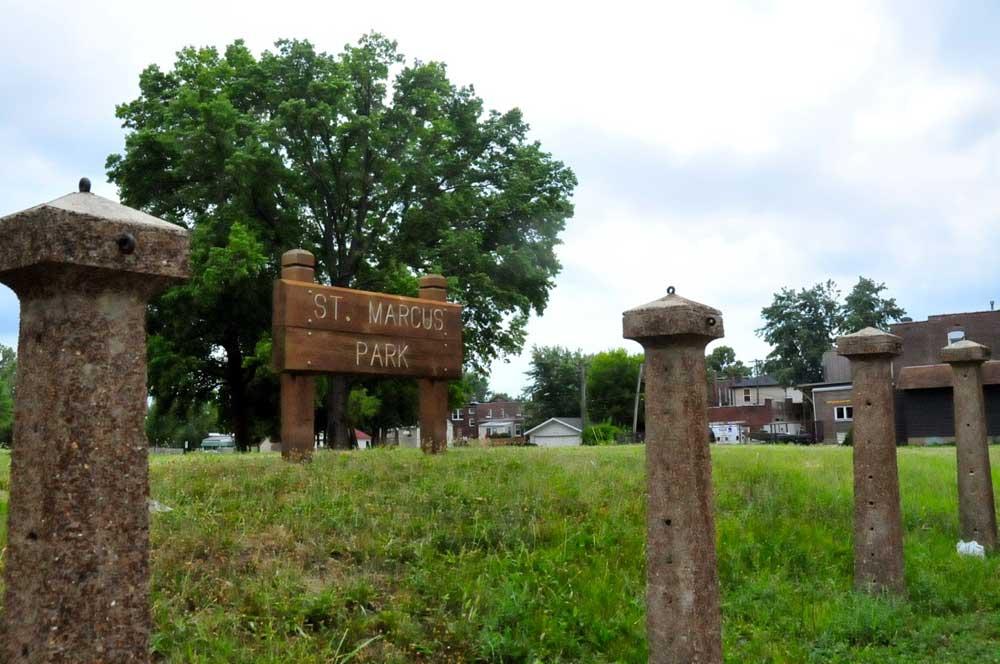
(326,329)
(433,392)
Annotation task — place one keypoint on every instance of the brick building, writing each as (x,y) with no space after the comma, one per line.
(923,385)
(484,420)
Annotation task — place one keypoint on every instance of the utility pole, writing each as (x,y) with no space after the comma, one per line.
(635,412)
(583,392)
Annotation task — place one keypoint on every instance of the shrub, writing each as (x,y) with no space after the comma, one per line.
(849,438)
(604,433)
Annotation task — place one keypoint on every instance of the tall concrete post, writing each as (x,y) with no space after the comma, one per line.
(878,522)
(976,508)
(433,392)
(77,560)
(298,391)
(683,619)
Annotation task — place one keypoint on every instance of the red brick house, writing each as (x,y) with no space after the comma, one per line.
(490,419)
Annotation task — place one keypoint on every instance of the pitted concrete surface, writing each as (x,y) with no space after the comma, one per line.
(683,617)
(976,506)
(878,523)
(77,568)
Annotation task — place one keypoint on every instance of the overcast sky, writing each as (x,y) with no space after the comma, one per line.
(728,149)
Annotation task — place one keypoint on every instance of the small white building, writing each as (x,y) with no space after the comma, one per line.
(557,432)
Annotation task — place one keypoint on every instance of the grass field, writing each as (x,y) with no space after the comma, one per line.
(530,555)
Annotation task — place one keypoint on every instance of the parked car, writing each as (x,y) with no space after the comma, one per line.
(219,443)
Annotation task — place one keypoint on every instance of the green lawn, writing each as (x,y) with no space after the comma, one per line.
(528,555)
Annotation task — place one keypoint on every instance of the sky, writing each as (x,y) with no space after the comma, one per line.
(728,149)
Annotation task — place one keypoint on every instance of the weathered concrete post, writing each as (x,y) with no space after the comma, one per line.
(976,509)
(683,619)
(298,391)
(433,393)
(77,567)
(878,522)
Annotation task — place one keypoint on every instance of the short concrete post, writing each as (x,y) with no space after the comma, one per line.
(77,560)
(683,619)
(878,523)
(976,508)
(433,393)
(298,391)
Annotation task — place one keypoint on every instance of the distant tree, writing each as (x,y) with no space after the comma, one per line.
(383,168)
(722,362)
(500,396)
(553,388)
(800,326)
(8,372)
(206,341)
(865,307)
(477,386)
(362,407)
(170,427)
(611,383)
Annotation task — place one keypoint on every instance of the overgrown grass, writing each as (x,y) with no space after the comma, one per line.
(531,555)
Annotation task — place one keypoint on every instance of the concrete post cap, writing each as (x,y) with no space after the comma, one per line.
(964,351)
(672,316)
(869,341)
(298,257)
(433,281)
(84,230)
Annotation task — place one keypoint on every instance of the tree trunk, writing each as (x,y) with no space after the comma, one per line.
(238,396)
(338,435)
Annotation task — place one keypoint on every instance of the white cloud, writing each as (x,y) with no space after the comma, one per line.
(850,104)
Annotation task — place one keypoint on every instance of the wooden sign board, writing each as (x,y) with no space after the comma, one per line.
(323,329)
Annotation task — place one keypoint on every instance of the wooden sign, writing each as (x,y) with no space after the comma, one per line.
(323,329)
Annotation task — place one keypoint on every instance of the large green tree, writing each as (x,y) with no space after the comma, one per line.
(8,371)
(800,326)
(611,383)
(553,388)
(722,363)
(865,307)
(382,167)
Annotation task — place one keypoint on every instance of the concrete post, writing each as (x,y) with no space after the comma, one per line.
(77,560)
(683,619)
(976,508)
(878,523)
(433,393)
(298,391)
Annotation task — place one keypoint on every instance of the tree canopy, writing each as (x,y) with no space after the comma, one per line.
(802,325)
(382,167)
(865,307)
(611,381)
(553,388)
(722,362)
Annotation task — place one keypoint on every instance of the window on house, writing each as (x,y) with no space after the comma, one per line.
(956,335)
(472,411)
(843,413)
(746,395)
(503,412)
(489,415)
(456,414)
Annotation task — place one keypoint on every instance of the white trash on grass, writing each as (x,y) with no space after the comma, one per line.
(972,548)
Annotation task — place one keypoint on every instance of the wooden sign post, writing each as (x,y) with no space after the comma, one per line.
(325,329)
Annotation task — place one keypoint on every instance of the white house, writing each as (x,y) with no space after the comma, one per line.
(557,432)
(755,391)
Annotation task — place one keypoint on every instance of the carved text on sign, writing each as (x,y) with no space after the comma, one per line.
(321,329)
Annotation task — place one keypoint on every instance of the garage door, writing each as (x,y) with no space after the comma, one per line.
(556,441)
